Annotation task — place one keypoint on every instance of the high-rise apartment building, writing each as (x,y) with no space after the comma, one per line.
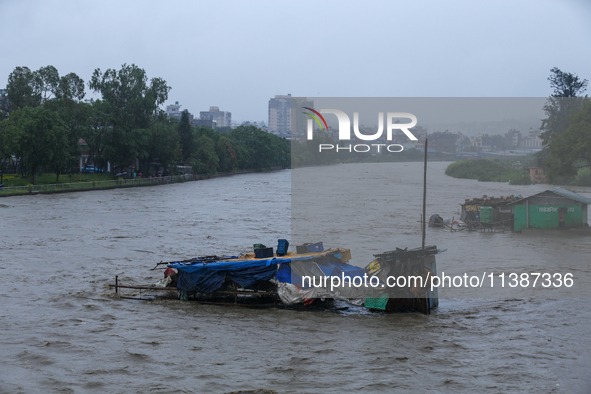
(286,115)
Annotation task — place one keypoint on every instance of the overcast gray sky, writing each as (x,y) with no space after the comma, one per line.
(238,54)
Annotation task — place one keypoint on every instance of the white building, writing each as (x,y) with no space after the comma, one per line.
(174,110)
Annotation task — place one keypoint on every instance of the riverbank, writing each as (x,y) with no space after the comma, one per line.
(8,191)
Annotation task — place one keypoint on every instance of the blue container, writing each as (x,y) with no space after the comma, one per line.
(310,248)
(302,249)
(282,247)
(263,253)
(316,247)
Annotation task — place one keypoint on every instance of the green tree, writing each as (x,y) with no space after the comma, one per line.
(28,88)
(10,135)
(163,143)
(97,134)
(571,150)
(131,103)
(566,84)
(43,139)
(207,160)
(4,107)
(45,82)
(186,135)
(227,154)
(21,89)
(307,153)
(264,150)
(77,118)
(563,151)
(70,86)
(566,97)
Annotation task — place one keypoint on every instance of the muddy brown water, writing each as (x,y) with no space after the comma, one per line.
(61,330)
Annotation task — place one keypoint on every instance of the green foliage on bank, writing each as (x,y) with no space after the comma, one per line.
(42,120)
(582,178)
(488,171)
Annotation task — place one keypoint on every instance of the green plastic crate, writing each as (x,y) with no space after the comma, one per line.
(486,215)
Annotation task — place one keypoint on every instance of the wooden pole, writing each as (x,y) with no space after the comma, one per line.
(116,284)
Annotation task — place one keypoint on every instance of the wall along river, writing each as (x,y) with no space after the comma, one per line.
(62,330)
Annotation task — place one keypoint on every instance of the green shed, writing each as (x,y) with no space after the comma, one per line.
(553,209)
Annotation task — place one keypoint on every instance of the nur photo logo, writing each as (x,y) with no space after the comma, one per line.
(392,124)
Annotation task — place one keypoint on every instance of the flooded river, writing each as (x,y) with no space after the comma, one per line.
(62,330)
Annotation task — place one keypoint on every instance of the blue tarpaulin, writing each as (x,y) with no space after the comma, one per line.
(327,265)
(203,276)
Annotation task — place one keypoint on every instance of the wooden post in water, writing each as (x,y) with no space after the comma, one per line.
(116,284)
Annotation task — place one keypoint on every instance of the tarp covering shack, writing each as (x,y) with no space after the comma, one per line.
(207,275)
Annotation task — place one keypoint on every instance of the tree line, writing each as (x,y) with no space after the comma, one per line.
(43,117)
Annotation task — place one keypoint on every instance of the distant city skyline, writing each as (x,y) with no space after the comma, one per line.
(343,49)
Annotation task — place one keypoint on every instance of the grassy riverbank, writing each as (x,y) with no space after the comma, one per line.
(47,179)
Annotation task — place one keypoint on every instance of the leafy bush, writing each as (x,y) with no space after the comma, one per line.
(583,177)
(488,171)
(483,170)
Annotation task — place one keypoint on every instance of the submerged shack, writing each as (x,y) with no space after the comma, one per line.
(277,280)
(556,208)
(488,211)
(416,266)
(314,278)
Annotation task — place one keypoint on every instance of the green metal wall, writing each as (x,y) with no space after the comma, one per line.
(546,216)
(519,217)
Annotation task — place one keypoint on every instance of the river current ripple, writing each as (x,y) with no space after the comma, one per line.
(62,330)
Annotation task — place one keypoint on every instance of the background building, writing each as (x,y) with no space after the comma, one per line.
(174,110)
(203,123)
(286,115)
(219,118)
(513,137)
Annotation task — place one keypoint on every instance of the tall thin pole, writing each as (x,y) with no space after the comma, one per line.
(427,298)
(425,196)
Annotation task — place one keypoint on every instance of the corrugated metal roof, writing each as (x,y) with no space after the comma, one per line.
(571,195)
(561,192)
